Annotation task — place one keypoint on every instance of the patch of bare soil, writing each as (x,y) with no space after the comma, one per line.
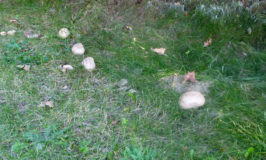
(175,82)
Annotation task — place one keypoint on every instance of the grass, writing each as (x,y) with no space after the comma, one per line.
(150,124)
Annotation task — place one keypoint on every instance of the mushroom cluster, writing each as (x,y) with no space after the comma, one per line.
(10,33)
(77,49)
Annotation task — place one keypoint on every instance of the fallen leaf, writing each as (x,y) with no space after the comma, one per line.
(115,122)
(49,104)
(25,67)
(12,20)
(190,76)
(128,28)
(160,51)
(208,42)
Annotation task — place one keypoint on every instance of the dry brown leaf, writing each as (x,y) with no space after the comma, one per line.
(190,76)
(208,42)
(12,20)
(25,67)
(49,104)
(160,51)
(128,28)
(115,122)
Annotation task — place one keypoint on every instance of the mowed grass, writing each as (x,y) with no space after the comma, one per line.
(93,119)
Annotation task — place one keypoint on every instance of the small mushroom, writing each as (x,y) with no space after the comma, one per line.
(191,99)
(63,33)
(78,49)
(11,33)
(89,64)
(66,67)
(3,33)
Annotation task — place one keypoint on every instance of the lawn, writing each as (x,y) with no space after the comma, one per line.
(95,117)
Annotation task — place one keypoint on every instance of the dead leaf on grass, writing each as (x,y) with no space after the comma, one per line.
(190,76)
(160,51)
(47,104)
(115,122)
(208,42)
(24,67)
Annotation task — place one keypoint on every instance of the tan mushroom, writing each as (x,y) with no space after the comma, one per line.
(191,99)
(89,64)
(78,49)
(63,33)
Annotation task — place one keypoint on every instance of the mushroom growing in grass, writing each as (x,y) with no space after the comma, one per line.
(3,33)
(11,33)
(89,64)
(78,49)
(191,99)
(66,67)
(63,33)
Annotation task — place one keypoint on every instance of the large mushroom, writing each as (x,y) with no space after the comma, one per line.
(78,49)
(89,64)
(63,33)
(191,99)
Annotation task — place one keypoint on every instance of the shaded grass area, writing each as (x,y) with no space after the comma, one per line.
(150,124)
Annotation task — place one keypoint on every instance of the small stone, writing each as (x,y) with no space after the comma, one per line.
(191,99)
(78,49)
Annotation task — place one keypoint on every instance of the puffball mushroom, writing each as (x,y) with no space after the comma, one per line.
(78,49)
(3,33)
(89,64)
(191,99)
(11,33)
(63,33)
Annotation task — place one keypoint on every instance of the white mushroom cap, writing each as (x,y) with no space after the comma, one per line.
(66,67)
(11,33)
(3,33)
(63,33)
(191,99)
(89,64)
(78,49)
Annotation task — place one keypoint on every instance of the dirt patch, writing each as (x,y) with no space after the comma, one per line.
(175,82)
